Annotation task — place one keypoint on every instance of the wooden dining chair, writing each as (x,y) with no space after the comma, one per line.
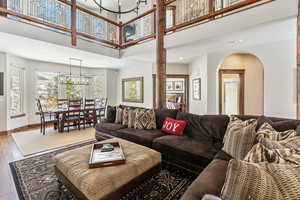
(61,102)
(90,116)
(72,116)
(45,118)
(101,107)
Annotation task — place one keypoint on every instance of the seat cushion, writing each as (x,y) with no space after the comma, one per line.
(104,127)
(186,148)
(143,137)
(210,181)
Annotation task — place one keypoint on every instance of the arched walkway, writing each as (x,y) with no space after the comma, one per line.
(241,85)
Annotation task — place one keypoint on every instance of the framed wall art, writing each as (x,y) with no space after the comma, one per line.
(197,89)
(133,90)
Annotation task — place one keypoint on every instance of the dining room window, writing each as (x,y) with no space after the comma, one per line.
(47,89)
(16,83)
(50,87)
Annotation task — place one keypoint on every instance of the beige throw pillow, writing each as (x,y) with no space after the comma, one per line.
(145,119)
(131,117)
(239,137)
(267,131)
(119,115)
(264,181)
(125,116)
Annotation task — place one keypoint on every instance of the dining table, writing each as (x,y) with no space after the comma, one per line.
(59,113)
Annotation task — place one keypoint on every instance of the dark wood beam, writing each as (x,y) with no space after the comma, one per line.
(73,23)
(3,4)
(160,54)
(298,62)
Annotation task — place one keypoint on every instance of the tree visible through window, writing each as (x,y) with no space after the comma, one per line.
(16,76)
(50,87)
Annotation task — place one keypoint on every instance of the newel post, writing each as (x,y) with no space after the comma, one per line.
(160,54)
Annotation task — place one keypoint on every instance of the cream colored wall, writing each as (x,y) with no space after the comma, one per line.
(254,80)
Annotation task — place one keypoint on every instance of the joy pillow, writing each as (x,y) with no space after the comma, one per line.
(174,127)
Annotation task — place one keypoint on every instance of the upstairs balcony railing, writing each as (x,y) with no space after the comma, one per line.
(69,18)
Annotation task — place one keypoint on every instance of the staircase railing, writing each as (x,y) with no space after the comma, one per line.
(63,16)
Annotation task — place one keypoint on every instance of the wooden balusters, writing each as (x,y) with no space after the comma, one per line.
(73,23)
(3,4)
(160,54)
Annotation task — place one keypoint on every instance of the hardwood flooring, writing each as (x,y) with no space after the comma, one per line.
(8,152)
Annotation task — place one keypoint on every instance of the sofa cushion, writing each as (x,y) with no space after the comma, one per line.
(161,114)
(208,127)
(210,181)
(143,137)
(145,119)
(240,137)
(183,147)
(111,114)
(104,126)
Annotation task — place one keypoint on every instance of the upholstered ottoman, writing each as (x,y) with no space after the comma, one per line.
(110,182)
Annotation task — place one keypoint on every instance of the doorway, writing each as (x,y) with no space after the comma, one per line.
(231,91)
(177,91)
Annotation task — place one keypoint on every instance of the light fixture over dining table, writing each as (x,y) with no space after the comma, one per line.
(71,77)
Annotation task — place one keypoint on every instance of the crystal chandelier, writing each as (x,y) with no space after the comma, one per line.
(119,10)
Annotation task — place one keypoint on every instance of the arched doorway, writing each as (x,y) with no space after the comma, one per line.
(241,85)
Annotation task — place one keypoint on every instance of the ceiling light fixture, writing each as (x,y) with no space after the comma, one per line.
(119,11)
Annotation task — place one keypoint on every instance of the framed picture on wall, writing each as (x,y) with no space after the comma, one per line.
(133,90)
(170,85)
(197,89)
(178,85)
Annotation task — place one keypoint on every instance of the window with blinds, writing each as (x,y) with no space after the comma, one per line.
(16,103)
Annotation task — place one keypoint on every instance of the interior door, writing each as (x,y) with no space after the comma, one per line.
(231,92)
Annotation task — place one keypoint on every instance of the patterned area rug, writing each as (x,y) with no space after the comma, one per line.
(35,180)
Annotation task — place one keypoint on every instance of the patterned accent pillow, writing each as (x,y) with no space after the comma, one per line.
(145,119)
(119,115)
(239,137)
(263,181)
(271,151)
(131,117)
(125,116)
(267,131)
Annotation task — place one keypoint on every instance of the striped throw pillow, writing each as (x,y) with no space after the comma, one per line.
(239,137)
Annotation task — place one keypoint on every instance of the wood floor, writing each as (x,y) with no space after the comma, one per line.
(9,152)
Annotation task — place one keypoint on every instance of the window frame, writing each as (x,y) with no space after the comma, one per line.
(21,74)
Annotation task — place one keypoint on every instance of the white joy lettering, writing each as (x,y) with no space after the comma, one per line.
(169,126)
(175,126)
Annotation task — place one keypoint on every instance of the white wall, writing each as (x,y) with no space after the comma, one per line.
(279,61)
(198,69)
(3,101)
(137,69)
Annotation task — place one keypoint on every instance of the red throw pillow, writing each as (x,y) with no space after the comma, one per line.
(173,126)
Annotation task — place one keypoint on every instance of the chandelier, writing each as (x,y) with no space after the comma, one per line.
(119,10)
(74,79)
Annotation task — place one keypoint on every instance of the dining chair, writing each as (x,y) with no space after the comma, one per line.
(90,116)
(62,102)
(72,116)
(45,118)
(101,107)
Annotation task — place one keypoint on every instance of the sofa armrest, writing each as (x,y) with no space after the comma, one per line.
(210,197)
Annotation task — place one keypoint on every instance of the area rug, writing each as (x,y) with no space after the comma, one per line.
(32,142)
(35,179)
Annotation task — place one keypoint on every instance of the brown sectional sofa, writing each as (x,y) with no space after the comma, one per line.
(199,148)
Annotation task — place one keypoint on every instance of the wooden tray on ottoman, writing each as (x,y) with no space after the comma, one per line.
(114,157)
